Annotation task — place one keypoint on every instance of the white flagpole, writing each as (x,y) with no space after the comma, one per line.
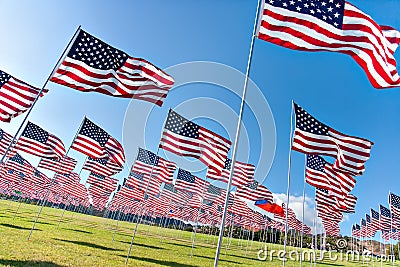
(197,218)
(302,220)
(228,189)
(391,228)
(41,91)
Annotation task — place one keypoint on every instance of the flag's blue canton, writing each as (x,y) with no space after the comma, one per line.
(329,11)
(101,161)
(170,187)
(98,176)
(363,222)
(315,162)
(324,191)
(394,200)
(4,77)
(375,214)
(1,134)
(214,190)
(94,132)
(17,158)
(147,157)
(385,212)
(34,132)
(308,123)
(357,227)
(208,203)
(37,173)
(186,176)
(228,164)
(219,208)
(136,175)
(179,125)
(367,218)
(10,171)
(253,185)
(22,176)
(96,53)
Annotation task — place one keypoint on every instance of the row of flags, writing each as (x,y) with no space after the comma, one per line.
(386,220)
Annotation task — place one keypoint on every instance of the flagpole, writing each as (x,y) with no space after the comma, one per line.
(302,226)
(197,219)
(391,227)
(221,232)
(40,92)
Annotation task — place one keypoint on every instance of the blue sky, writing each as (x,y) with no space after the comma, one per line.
(330,86)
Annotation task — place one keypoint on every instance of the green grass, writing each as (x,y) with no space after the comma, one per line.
(84,240)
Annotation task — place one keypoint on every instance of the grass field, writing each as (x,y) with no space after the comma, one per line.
(84,240)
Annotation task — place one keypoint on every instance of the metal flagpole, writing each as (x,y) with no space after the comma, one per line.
(302,226)
(391,228)
(40,92)
(197,219)
(228,189)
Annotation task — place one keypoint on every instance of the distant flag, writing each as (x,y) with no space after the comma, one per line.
(337,26)
(375,220)
(5,140)
(356,230)
(254,191)
(243,173)
(95,142)
(188,182)
(18,163)
(106,166)
(213,192)
(65,165)
(36,141)
(186,138)
(108,183)
(92,65)
(385,217)
(394,201)
(147,162)
(16,97)
(313,137)
(321,174)
(270,207)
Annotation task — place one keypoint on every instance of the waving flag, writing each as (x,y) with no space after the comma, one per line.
(321,174)
(36,141)
(394,201)
(270,207)
(106,167)
(107,183)
(186,138)
(254,191)
(147,162)
(92,65)
(94,142)
(335,26)
(385,218)
(20,164)
(65,165)
(313,137)
(188,182)
(5,140)
(16,97)
(243,173)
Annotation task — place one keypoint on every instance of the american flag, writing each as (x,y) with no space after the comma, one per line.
(66,178)
(254,191)
(141,182)
(105,166)
(186,138)
(36,141)
(213,193)
(130,192)
(39,178)
(16,97)
(107,183)
(322,196)
(375,220)
(94,142)
(385,218)
(348,204)
(336,26)
(188,182)
(93,65)
(313,137)
(394,201)
(19,164)
(162,170)
(243,173)
(370,229)
(5,140)
(65,165)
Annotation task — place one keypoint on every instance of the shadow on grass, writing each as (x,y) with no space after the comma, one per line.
(87,244)
(28,263)
(77,230)
(188,246)
(140,245)
(328,264)
(212,258)
(38,222)
(158,262)
(17,227)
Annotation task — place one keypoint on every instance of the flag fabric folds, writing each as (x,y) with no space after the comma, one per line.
(270,207)
(104,166)
(188,182)
(147,162)
(243,173)
(5,140)
(337,26)
(16,97)
(186,138)
(313,137)
(95,142)
(92,65)
(36,141)
(65,165)
(254,191)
